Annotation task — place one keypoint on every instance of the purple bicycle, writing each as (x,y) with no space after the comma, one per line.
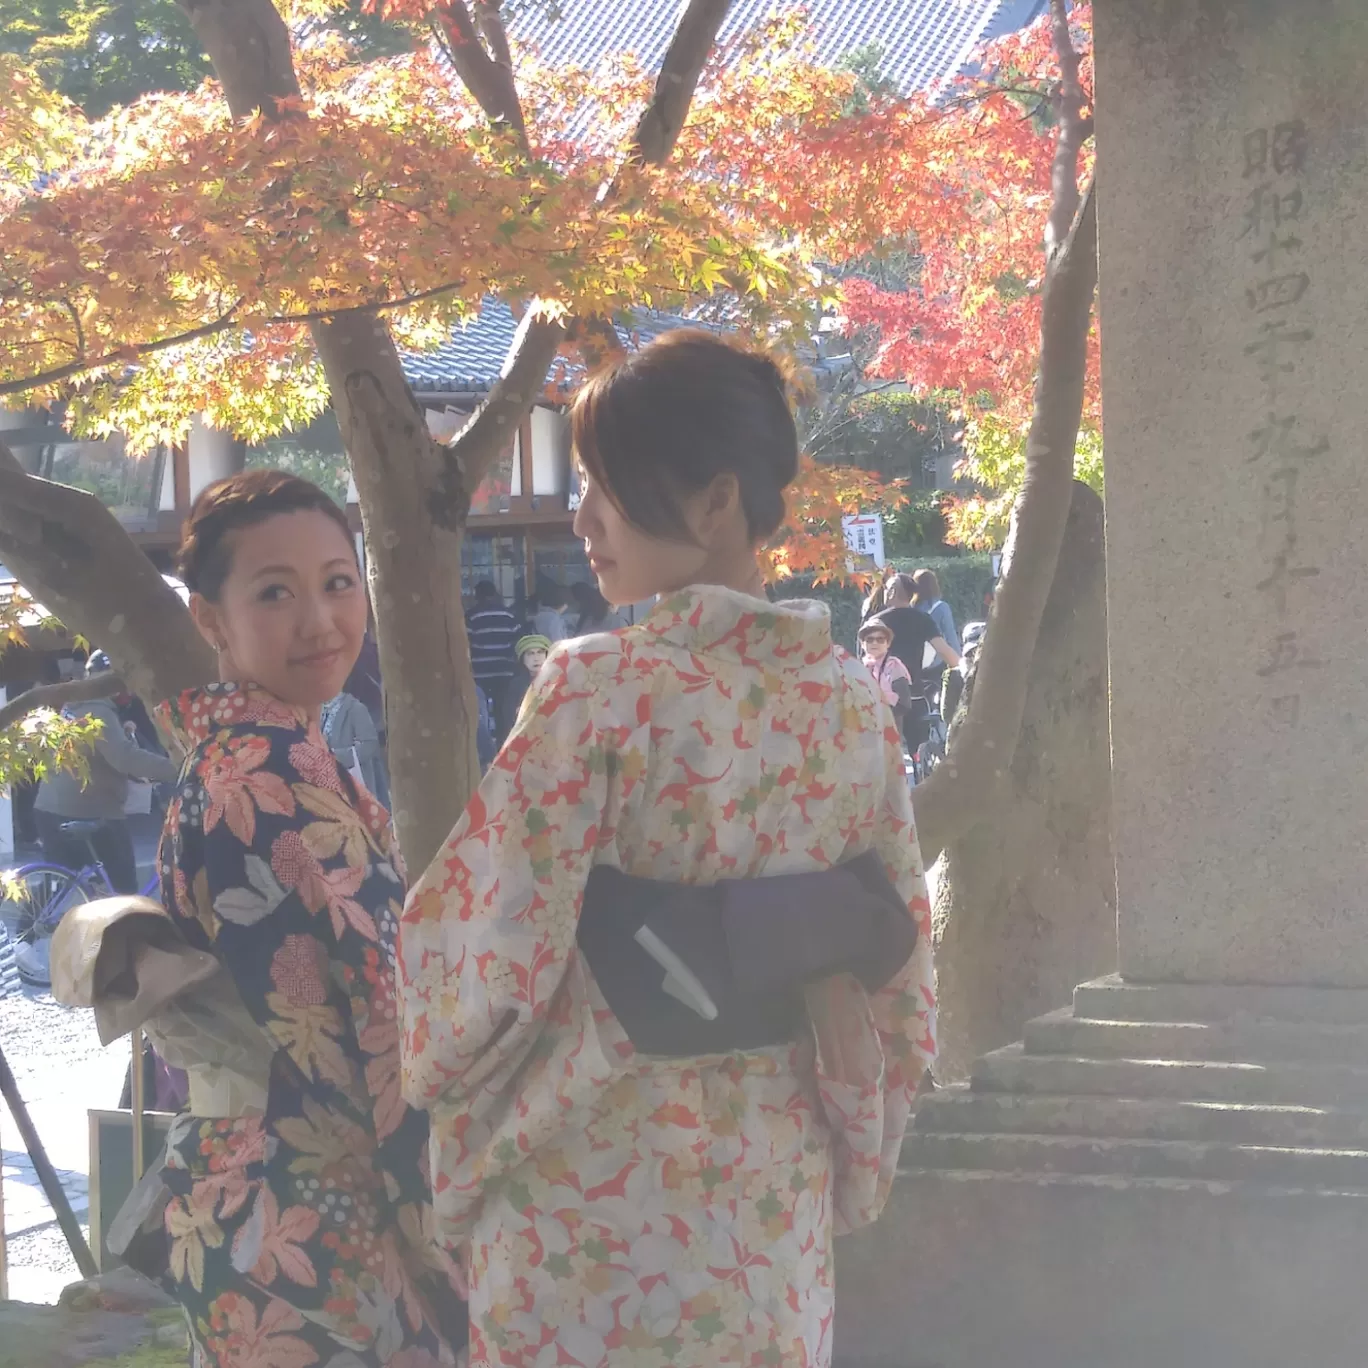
(36,896)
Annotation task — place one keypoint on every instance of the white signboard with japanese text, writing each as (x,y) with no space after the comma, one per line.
(864,536)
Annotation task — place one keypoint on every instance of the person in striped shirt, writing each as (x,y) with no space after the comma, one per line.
(493,632)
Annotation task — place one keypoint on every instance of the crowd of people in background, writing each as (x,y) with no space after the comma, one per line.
(906,623)
(120,754)
(907,639)
(507,648)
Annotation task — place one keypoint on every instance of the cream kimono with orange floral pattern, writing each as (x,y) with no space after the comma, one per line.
(621,1209)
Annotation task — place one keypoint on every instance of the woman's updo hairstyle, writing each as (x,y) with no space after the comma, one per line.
(206,554)
(664,422)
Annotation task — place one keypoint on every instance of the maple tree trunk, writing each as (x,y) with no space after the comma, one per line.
(1026,898)
(982,750)
(980,755)
(413,496)
(69,550)
(413,506)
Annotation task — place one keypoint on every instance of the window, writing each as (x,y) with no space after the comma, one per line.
(315,454)
(500,559)
(562,562)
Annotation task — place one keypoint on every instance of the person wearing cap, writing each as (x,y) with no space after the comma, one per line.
(531,651)
(889,673)
(101,794)
(913,630)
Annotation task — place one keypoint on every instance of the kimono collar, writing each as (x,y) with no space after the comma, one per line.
(192,717)
(708,620)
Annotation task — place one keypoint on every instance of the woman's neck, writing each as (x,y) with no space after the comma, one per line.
(740,572)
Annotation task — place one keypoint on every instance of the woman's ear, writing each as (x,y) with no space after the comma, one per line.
(721,503)
(209,621)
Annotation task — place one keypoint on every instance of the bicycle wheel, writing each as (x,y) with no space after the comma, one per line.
(36,896)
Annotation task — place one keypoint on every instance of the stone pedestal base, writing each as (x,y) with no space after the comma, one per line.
(1163,1175)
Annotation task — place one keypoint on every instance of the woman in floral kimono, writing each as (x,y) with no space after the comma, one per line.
(300,1194)
(619,1202)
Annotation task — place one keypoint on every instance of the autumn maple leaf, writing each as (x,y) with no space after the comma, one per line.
(235,786)
(265,1342)
(269,1243)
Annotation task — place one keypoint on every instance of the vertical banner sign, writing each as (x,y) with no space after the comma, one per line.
(864,538)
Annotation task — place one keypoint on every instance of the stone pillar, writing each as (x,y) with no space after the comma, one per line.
(1233,155)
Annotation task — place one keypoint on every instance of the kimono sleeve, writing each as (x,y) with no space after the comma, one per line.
(292,894)
(488,930)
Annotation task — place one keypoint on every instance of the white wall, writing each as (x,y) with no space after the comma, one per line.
(550,453)
(167,500)
(213,455)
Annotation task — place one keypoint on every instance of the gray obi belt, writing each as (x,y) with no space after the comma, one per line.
(692,969)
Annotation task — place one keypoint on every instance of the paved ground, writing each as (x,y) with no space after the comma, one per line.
(62,1071)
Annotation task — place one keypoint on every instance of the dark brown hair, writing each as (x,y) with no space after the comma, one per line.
(664,422)
(904,584)
(928,586)
(206,555)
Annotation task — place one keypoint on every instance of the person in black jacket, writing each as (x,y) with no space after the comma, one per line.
(913,630)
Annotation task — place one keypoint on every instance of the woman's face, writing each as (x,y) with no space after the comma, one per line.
(631,565)
(292,612)
(534,659)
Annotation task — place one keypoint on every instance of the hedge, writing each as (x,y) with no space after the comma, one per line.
(963,579)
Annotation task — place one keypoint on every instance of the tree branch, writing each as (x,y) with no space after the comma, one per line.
(659,127)
(488,78)
(477,446)
(983,747)
(57,696)
(1073,130)
(71,551)
(491,26)
(232,319)
(134,351)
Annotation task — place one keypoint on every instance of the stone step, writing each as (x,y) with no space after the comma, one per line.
(1305,1085)
(1256,1040)
(1113,999)
(978,1269)
(959,1110)
(1337,1170)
